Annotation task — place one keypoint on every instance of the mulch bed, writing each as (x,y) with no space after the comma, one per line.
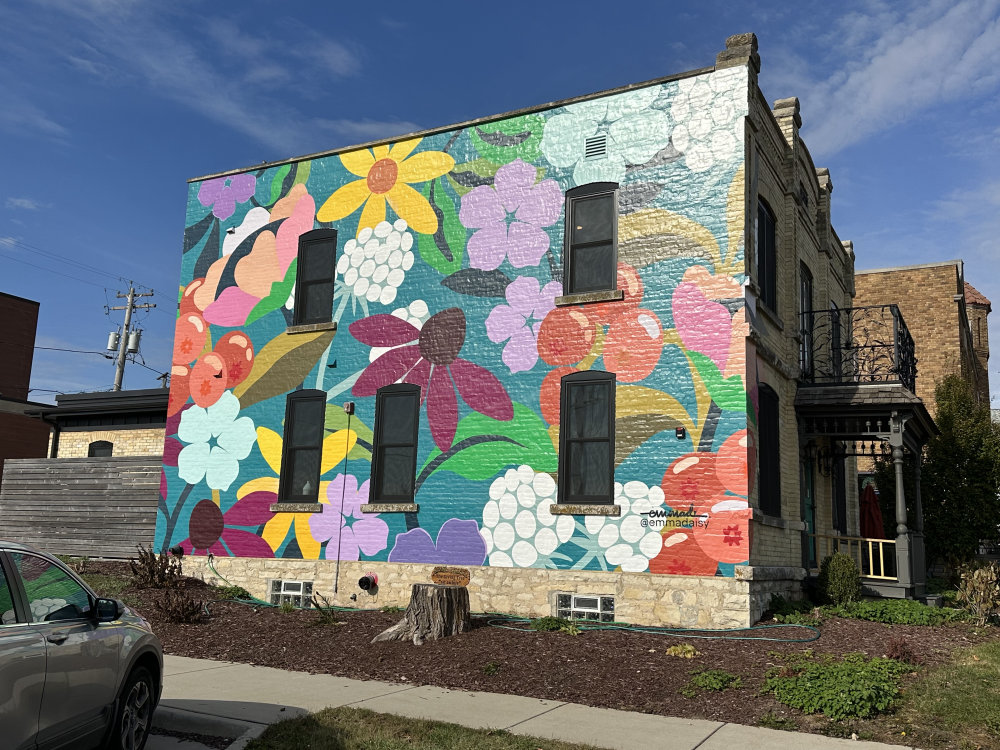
(611,669)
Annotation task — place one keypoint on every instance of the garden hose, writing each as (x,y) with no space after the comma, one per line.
(514,622)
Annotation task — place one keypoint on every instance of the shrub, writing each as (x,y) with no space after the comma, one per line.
(491,669)
(839,579)
(850,687)
(179,606)
(683,650)
(715,679)
(801,612)
(153,571)
(233,592)
(328,614)
(896,612)
(286,608)
(554,625)
(899,649)
(979,591)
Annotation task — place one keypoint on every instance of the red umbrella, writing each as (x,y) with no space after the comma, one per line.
(871,515)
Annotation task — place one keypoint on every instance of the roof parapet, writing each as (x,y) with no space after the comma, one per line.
(741,49)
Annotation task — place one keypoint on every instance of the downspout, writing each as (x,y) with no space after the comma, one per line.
(54,441)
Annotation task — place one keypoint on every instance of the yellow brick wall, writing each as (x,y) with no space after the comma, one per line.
(139,442)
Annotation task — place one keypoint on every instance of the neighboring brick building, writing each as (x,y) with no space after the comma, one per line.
(945,315)
(575,343)
(20,436)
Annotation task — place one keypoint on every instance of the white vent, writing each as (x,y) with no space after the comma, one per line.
(296,593)
(596,147)
(585,607)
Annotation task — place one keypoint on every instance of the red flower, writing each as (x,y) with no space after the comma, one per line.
(434,365)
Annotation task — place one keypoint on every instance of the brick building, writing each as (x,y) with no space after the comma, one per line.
(20,436)
(944,313)
(583,350)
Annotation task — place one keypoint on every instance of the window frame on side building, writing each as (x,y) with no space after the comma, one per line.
(315,241)
(767,266)
(769,453)
(291,449)
(571,248)
(383,399)
(567,439)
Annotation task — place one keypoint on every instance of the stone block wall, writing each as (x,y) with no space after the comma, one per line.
(125,442)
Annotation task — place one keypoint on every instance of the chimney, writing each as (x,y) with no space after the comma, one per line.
(786,112)
(741,49)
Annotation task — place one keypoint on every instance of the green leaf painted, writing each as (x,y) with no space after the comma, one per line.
(277,181)
(277,297)
(485,446)
(336,419)
(728,392)
(302,170)
(507,140)
(444,249)
(282,365)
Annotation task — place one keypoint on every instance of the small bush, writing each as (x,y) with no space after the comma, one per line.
(179,606)
(801,612)
(152,571)
(896,612)
(491,669)
(286,608)
(233,592)
(554,625)
(328,614)
(683,650)
(850,687)
(715,679)
(899,649)
(979,591)
(839,579)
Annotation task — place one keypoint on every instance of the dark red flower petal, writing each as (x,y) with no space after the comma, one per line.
(251,510)
(420,375)
(383,330)
(442,336)
(442,408)
(481,390)
(206,524)
(387,369)
(244,544)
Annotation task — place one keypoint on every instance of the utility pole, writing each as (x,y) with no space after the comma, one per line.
(124,343)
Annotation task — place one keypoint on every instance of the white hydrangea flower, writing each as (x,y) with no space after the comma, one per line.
(625,540)
(375,264)
(517,526)
(707,113)
(416,314)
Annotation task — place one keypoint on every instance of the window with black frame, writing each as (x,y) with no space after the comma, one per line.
(314,277)
(805,320)
(100,449)
(394,454)
(769,478)
(590,259)
(767,276)
(302,447)
(587,438)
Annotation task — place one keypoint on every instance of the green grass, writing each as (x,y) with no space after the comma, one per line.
(964,696)
(359,729)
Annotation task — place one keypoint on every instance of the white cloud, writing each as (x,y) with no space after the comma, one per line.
(26,204)
(889,65)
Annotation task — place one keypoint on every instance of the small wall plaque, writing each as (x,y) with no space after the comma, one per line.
(445,576)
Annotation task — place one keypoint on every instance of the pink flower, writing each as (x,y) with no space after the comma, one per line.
(434,365)
(519,238)
(708,326)
(518,321)
(344,526)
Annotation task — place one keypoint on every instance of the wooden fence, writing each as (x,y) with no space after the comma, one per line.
(94,507)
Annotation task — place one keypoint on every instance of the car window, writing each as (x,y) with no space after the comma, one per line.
(52,593)
(7,615)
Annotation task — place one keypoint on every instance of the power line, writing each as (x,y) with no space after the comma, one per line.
(57,273)
(10,241)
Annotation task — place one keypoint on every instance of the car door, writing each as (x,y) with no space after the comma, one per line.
(81,654)
(22,667)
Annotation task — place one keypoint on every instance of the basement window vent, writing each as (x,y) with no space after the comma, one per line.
(586,607)
(596,147)
(296,593)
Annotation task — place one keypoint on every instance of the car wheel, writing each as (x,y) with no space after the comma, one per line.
(134,716)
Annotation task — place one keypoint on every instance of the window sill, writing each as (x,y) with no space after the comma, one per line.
(390,507)
(316,507)
(312,327)
(566,509)
(611,295)
(776,521)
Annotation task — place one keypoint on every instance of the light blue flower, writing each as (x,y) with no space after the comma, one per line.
(218,439)
(634,134)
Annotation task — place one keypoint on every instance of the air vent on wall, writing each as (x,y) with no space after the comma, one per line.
(596,147)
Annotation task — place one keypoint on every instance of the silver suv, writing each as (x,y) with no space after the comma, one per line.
(76,670)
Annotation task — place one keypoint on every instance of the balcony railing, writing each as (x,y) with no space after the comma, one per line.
(857,345)
(876,558)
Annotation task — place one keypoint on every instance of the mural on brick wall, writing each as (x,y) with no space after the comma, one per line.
(449,263)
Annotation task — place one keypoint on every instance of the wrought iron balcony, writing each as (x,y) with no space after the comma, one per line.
(857,345)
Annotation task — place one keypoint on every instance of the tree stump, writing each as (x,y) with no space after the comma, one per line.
(434,612)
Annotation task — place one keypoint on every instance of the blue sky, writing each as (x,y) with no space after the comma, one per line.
(109,106)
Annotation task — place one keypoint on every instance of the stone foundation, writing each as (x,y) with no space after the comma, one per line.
(640,598)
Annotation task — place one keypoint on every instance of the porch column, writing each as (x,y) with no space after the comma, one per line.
(918,521)
(918,550)
(897,459)
(903,557)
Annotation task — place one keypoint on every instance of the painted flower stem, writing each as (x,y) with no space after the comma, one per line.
(173,516)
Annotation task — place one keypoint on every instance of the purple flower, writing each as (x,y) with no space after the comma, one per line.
(518,321)
(433,364)
(520,238)
(458,543)
(223,193)
(352,531)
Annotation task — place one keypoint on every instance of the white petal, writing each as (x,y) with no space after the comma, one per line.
(503,535)
(406,242)
(635,489)
(508,505)
(608,535)
(632,529)
(525,524)
(544,485)
(388,295)
(382,229)
(192,462)
(651,544)
(407,261)
(373,293)
(364,235)
(543,514)
(526,496)
(546,541)
(497,489)
(399,225)
(351,276)
(378,277)
(593,524)
(487,536)
(525,474)
(238,438)
(565,526)
(396,258)
(501,560)
(195,426)
(511,480)
(371,247)
(618,554)
(391,242)
(367,268)
(635,564)
(360,287)
(524,555)
(395,277)
(418,308)
(222,413)
(222,469)
(491,512)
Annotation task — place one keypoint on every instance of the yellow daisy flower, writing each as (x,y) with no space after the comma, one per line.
(335,447)
(385,174)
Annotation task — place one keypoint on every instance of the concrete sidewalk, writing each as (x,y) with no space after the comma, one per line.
(245,699)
